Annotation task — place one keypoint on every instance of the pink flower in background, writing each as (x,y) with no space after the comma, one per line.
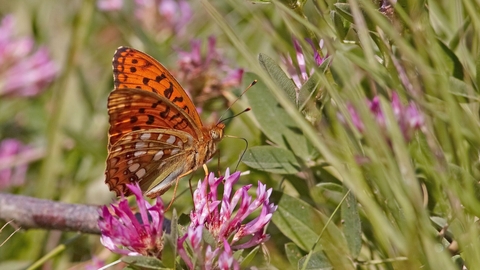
(163,17)
(110,5)
(206,75)
(316,55)
(15,175)
(94,264)
(24,70)
(226,260)
(225,220)
(122,233)
(297,68)
(409,118)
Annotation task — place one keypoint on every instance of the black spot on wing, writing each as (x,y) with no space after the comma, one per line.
(159,78)
(154,105)
(164,114)
(177,99)
(180,125)
(150,120)
(169,91)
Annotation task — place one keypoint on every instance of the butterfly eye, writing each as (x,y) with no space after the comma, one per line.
(216,134)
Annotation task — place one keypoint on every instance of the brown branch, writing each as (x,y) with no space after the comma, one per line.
(32,213)
(29,213)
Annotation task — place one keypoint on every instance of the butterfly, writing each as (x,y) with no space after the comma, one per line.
(156,135)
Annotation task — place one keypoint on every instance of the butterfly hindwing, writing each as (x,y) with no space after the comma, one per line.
(144,156)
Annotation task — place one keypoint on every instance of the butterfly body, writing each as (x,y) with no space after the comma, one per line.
(156,135)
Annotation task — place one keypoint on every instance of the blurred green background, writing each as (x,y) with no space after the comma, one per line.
(412,177)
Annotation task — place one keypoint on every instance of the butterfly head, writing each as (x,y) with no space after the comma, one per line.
(216,133)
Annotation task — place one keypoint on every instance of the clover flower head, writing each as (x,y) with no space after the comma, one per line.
(206,75)
(124,234)
(24,70)
(225,220)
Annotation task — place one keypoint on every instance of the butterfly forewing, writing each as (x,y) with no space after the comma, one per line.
(135,69)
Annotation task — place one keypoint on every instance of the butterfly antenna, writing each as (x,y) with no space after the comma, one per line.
(244,91)
(244,150)
(233,116)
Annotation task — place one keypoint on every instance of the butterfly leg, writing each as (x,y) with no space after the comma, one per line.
(176,186)
(191,188)
(218,163)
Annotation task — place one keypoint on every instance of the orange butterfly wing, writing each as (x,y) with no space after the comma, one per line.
(136,70)
(156,134)
(136,109)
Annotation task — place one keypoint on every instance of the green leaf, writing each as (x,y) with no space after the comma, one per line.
(307,96)
(460,89)
(477,75)
(300,185)
(455,66)
(316,261)
(294,254)
(275,123)
(279,77)
(308,90)
(339,25)
(352,227)
(302,224)
(297,220)
(459,262)
(208,237)
(144,262)
(324,193)
(344,10)
(169,253)
(247,261)
(237,255)
(184,219)
(271,159)
(440,224)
